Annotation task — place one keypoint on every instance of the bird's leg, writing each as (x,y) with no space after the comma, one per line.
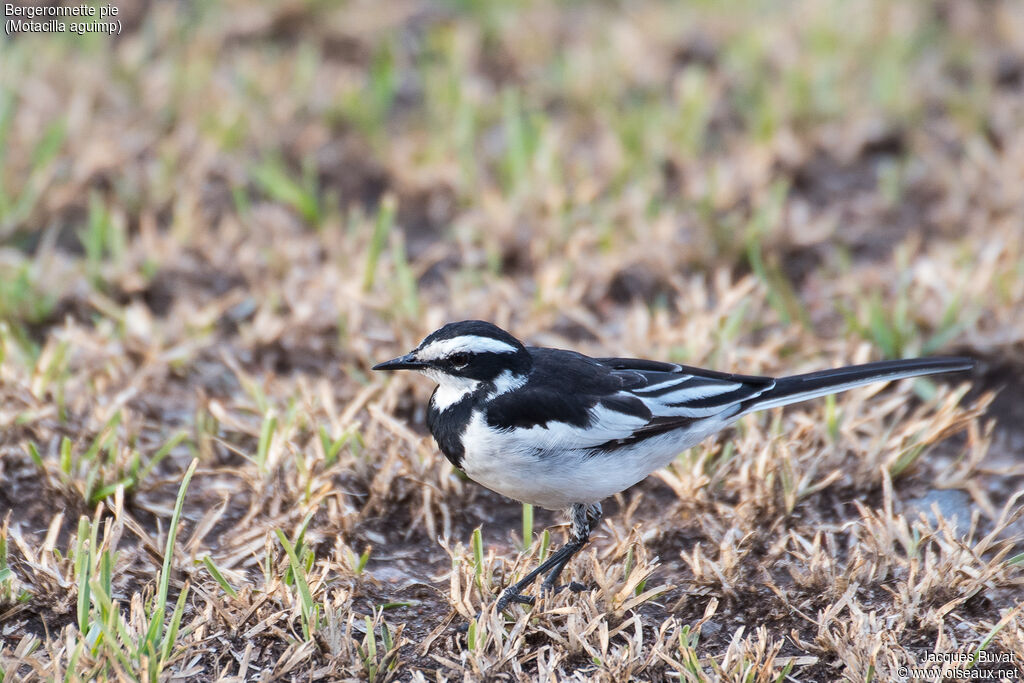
(584,518)
(514,592)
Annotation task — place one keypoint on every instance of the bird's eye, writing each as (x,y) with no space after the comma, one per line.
(459,360)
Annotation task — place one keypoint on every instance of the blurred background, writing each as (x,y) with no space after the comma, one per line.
(331,170)
(213,223)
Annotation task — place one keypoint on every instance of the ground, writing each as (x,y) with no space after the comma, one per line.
(215,222)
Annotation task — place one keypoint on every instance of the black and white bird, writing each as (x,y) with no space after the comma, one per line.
(559,429)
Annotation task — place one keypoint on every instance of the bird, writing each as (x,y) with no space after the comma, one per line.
(558,429)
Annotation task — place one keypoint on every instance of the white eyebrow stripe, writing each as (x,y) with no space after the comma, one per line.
(468,342)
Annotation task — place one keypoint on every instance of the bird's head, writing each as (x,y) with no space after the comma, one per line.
(461,356)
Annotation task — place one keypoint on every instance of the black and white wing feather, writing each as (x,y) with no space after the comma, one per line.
(575,402)
(676,397)
(670,390)
(682,391)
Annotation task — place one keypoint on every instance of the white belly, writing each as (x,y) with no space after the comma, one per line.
(550,472)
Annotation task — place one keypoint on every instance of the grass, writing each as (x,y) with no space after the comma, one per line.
(211,228)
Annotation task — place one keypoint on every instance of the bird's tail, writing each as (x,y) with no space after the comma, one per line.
(802,387)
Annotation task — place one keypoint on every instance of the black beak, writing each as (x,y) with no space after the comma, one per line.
(406,362)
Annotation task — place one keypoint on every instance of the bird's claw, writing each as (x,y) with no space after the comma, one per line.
(512,596)
(573,586)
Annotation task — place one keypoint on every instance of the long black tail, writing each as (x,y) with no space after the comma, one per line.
(802,387)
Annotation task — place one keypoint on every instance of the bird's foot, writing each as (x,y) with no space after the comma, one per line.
(573,586)
(512,595)
(508,596)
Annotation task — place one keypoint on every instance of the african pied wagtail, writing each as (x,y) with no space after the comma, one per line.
(559,429)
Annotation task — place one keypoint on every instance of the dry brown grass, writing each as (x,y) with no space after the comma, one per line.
(213,225)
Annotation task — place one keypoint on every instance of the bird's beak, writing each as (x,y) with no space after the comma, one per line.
(406,362)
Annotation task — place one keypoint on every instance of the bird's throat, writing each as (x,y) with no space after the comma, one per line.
(448,425)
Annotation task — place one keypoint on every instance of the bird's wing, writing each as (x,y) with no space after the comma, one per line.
(577,402)
(679,391)
(544,418)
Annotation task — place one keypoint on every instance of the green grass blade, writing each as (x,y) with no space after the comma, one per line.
(82,569)
(218,577)
(161,453)
(160,600)
(527,526)
(381,229)
(298,572)
(172,629)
